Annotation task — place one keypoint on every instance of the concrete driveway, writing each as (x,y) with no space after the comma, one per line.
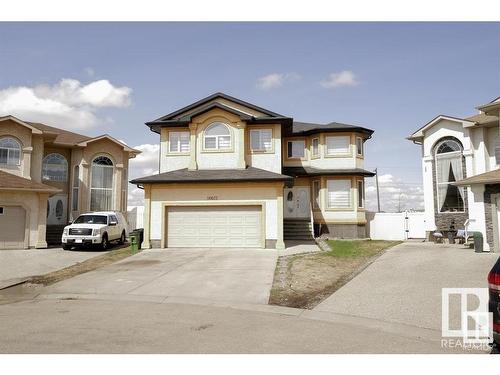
(235,275)
(18,265)
(404,284)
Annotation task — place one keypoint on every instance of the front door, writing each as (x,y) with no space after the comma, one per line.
(297,203)
(57,210)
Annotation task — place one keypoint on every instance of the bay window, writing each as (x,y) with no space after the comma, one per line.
(359,146)
(102,184)
(296,149)
(315,147)
(361,194)
(339,194)
(261,140)
(338,145)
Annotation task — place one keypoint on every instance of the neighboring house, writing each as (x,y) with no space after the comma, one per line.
(233,174)
(460,161)
(49,176)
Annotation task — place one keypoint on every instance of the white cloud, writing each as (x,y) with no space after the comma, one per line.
(275,80)
(345,78)
(68,104)
(395,194)
(144,164)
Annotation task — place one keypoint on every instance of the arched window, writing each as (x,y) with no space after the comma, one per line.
(217,137)
(449,168)
(55,168)
(101,184)
(10,151)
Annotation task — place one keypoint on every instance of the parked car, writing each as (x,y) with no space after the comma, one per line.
(95,228)
(494,290)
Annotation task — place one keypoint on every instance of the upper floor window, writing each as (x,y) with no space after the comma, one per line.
(315,147)
(359,146)
(101,185)
(178,141)
(339,193)
(338,145)
(261,140)
(449,168)
(55,168)
(217,137)
(10,151)
(296,149)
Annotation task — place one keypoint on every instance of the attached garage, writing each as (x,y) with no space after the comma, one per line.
(12,227)
(214,226)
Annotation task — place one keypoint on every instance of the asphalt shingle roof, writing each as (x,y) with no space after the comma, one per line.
(310,171)
(9,181)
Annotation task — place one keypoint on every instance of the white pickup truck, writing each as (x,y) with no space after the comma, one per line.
(95,228)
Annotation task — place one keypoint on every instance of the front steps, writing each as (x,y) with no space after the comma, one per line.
(297,230)
(53,234)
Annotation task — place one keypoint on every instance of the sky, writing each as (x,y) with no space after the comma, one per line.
(97,78)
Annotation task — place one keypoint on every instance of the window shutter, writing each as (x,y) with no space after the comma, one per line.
(338,145)
(339,193)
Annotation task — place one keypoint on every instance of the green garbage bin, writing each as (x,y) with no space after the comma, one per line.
(134,241)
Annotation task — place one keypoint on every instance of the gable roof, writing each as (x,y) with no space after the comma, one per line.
(184,115)
(305,128)
(9,181)
(30,126)
(419,134)
(107,136)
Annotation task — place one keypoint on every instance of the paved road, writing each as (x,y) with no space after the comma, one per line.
(89,326)
(18,265)
(214,275)
(404,284)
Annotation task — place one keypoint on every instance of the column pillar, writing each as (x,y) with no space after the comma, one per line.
(240,126)
(146,244)
(118,187)
(280,243)
(27,162)
(41,243)
(84,187)
(192,147)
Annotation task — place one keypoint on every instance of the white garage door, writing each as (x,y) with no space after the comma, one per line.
(12,227)
(238,226)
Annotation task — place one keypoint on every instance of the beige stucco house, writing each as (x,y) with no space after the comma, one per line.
(48,176)
(233,174)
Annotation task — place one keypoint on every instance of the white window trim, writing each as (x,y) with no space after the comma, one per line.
(329,153)
(361,148)
(315,154)
(9,149)
(262,150)
(290,142)
(65,177)
(217,148)
(361,204)
(112,189)
(316,200)
(339,208)
(179,132)
(445,155)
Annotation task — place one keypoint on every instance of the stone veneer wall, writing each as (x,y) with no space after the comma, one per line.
(488,212)
(340,230)
(445,219)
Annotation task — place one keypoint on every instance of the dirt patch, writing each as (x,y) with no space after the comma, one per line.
(86,266)
(303,281)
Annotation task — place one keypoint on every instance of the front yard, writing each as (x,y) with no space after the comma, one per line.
(304,280)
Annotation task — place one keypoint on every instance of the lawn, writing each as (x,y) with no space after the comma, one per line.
(304,280)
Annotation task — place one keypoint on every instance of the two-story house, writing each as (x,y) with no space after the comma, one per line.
(49,176)
(461,175)
(233,174)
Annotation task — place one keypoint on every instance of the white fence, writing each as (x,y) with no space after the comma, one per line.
(396,226)
(135,217)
